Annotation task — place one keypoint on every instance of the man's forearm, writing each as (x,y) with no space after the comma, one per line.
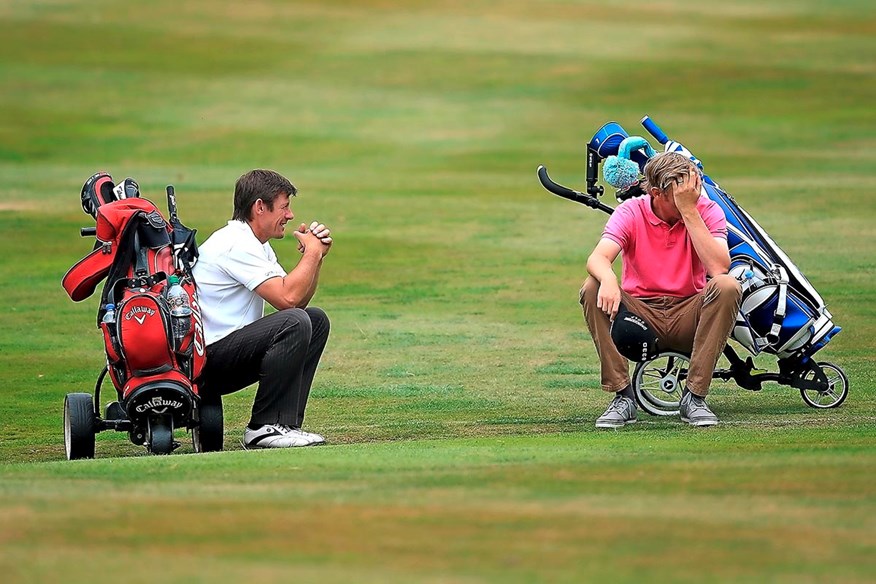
(600,268)
(299,285)
(711,252)
(314,284)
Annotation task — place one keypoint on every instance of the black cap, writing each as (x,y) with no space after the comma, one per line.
(633,337)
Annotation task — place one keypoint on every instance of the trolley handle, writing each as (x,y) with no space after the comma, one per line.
(567,193)
(87,231)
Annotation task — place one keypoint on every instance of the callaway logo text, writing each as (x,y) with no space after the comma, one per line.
(138,310)
(159,402)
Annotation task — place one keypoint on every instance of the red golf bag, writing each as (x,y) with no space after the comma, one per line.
(152,361)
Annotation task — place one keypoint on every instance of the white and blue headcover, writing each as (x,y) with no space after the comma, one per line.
(621,172)
(678,147)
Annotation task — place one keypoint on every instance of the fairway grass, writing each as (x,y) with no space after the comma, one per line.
(459,387)
(735,504)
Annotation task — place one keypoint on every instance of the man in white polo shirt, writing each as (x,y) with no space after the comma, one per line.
(237,271)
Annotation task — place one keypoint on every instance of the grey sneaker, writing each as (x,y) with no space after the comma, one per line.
(694,411)
(621,411)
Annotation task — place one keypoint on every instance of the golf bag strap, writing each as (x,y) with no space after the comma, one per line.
(781,304)
(125,251)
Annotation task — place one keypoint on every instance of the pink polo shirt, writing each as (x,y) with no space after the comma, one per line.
(659,259)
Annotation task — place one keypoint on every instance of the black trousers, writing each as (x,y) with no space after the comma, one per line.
(281,352)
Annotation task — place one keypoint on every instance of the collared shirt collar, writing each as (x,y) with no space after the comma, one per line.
(241,225)
(649,212)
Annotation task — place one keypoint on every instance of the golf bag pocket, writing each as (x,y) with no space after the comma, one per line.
(150,375)
(773,315)
(111,341)
(144,335)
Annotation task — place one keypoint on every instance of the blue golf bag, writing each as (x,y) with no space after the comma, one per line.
(781,312)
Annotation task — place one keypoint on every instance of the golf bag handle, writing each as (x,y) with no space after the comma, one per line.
(654,130)
(570,194)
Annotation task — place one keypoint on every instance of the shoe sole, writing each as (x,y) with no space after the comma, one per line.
(700,423)
(614,426)
(257,447)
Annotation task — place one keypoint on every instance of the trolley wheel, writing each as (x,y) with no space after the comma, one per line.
(80,426)
(658,383)
(209,435)
(159,435)
(837,388)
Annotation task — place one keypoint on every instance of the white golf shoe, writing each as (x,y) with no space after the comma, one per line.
(279,436)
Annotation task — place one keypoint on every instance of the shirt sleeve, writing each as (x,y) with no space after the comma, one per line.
(617,228)
(251,264)
(714,218)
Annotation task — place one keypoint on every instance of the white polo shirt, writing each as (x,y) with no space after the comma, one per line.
(231,264)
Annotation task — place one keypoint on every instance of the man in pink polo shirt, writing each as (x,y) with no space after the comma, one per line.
(671,240)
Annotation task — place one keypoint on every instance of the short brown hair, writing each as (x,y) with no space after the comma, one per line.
(666,168)
(257,184)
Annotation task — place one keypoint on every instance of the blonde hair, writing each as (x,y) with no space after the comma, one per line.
(666,168)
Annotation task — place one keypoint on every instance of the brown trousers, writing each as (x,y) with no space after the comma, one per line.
(698,326)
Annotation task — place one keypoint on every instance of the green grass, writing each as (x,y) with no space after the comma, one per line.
(459,387)
(620,506)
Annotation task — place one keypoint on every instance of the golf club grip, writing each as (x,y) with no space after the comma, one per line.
(171,201)
(654,130)
(87,231)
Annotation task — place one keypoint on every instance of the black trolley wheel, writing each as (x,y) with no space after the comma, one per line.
(209,434)
(159,435)
(80,426)
(837,388)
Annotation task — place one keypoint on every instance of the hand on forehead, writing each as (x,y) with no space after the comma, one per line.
(692,173)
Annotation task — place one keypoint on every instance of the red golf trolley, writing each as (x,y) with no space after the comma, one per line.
(154,343)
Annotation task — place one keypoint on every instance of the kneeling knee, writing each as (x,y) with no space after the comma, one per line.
(727,284)
(588,291)
(317,316)
(724,286)
(295,319)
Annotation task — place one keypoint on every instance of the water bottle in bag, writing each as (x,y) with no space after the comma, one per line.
(180,311)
